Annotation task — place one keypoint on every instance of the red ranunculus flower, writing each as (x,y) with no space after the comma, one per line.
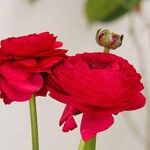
(25,63)
(97,85)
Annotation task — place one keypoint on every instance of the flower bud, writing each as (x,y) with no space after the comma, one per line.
(108,39)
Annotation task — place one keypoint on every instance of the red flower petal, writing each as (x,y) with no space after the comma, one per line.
(58,44)
(138,101)
(91,125)
(67,119)
(29,62)
(69,125)
(21,90)
(68,111)
(10,71)
(70,100)
(28,45)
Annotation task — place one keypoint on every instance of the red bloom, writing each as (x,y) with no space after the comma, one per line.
(25,63)
(98,85)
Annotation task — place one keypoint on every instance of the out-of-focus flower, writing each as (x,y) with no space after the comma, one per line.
(97,85)
(25,63)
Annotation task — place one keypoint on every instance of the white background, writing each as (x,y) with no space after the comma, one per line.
(65,18)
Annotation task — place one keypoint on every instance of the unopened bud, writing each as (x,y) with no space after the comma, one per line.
(108,39)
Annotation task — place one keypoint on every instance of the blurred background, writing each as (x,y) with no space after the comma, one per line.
(75,23)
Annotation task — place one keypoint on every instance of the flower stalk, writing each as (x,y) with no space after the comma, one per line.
(34,124)
(89,145)
(106,50)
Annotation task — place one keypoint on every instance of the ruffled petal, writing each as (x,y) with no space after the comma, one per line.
(58,44)
(10,71)
(70,100)
(138,101)
(91,125)
(68,111)
(45,64)
(28,45)
(21,90)
(67,119)
(69,125)
(26,62)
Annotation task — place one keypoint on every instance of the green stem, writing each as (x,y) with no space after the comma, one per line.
(34,125)
(106,50)
(89,145)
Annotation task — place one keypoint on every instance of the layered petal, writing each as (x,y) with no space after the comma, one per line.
(22,90)
(97,85)
(67,119)
(137,102)
(25,63)
(12,72)
(91,125)
(95,75)
(69,125)
(28,45)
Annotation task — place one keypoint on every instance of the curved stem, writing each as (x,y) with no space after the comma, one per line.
(34,125)
(89,145)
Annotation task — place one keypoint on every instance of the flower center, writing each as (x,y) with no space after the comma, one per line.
(94,65)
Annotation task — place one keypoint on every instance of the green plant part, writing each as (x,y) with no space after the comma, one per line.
(108,10)
(108,39)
